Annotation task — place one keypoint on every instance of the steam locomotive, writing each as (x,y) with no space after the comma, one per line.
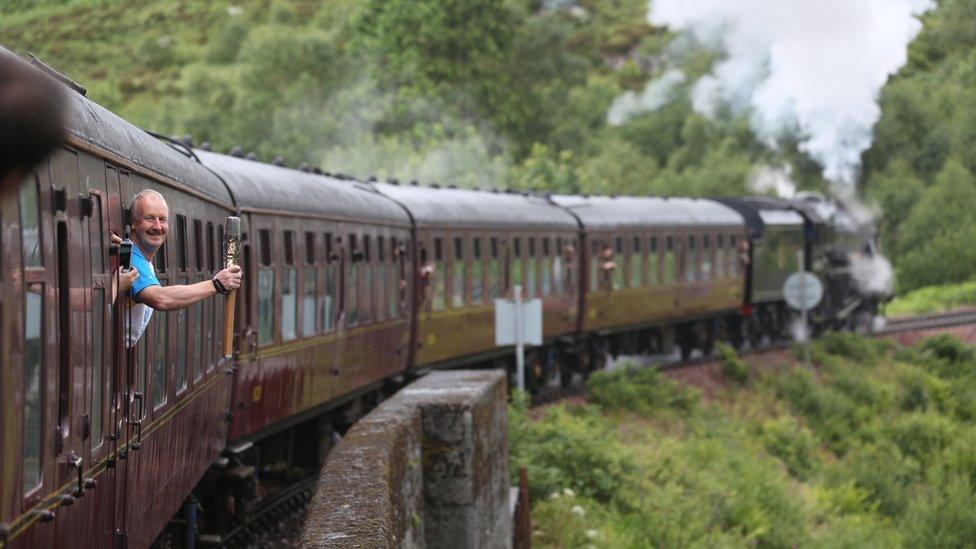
(350,288)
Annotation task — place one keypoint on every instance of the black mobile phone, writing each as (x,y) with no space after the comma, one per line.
(125,253)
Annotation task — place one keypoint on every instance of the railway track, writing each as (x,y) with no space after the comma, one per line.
(274,521)
(928,321)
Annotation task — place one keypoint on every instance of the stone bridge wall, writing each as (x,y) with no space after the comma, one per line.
(427,468)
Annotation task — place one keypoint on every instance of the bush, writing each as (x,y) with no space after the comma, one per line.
(570,448)
(733,367)
(792,443)
(641,390)
(227,40)
(882,470)
(862,350)
(921,435)
(947,347)
(944,516)
(921,391)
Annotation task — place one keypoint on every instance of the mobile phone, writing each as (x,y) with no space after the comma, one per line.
(125,254)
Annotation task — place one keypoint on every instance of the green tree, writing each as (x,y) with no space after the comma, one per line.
(936,240)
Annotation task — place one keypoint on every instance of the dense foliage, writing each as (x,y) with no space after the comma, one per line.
(872,448)
(503,93)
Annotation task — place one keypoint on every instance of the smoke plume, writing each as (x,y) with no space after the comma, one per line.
(796,66)
(655,95)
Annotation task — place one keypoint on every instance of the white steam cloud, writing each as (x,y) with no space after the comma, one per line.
(656,94)
(777,179)
(797,66)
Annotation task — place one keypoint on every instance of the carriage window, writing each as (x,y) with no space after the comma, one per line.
(457,274)
(211,258)
(635,263)
(97,331)
(159,260)
(95,235)
(670,262)
(198,244)
(652,262)
(351,284)
(159,358)
(288,303)
(310,248)
(437,287)
(330,296)
(310,281)
(706,259)
(618,260)
(30,223)
(558,276)
(393,280)
(494,271)
(733,256)
(379,276)
(264,242)
(289,248)
(289,291)
(719,257)
(180,359)
(691,261)
(530,271)
(366,298)
(197,351)
(33,321)
(595,273)
(545,270)
(477,272)
(181,242)
(265,305)
(516,275)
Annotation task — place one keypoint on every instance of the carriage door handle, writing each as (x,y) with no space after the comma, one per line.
(74,460)
(141,399)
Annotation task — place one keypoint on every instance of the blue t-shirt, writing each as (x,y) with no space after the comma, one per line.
(139,313)
(147,275)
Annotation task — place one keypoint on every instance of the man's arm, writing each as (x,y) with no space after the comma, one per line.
(171,298)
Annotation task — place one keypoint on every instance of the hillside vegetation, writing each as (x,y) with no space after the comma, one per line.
(872,448)
(503,93)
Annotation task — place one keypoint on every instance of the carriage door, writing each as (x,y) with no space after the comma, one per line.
(73,282)
(96,425)
(126,407)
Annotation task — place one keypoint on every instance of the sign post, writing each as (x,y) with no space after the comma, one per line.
(518,322)
(519,339)
(803,291)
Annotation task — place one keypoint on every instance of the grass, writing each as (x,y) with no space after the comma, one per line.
(933,299)
(871,448)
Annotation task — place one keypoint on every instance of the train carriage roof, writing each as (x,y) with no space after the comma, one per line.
(629,212)
(91,123)
(762,211)
(433,207)
(259,186)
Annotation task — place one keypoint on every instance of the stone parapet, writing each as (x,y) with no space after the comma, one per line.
(427,468)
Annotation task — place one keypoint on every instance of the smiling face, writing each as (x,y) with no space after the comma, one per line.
(150,222)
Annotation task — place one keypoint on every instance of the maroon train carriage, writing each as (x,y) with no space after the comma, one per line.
(100,446)
(658,270)
(324,314)
(476,246)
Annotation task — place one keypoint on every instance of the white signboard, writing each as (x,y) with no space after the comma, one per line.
(802,291)
(506,322)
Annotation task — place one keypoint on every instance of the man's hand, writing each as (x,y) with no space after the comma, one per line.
(126,278)
(230,277)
